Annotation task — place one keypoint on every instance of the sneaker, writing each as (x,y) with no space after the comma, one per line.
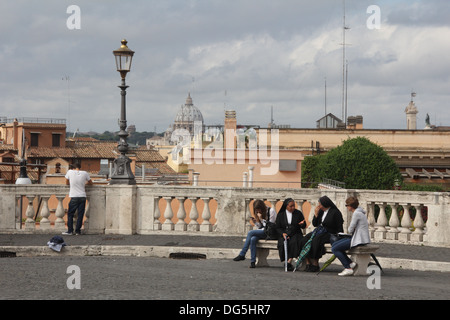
(346,272)
(239,258)
(252,265)
(67,233)
(78,233)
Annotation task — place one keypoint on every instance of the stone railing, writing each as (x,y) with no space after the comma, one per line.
(146,209)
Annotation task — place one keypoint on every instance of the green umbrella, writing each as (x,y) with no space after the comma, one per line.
(305,250)
(327,263)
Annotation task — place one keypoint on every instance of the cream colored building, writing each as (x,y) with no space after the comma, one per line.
(274,159)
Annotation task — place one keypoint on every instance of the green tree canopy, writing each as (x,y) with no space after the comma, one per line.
(358,162)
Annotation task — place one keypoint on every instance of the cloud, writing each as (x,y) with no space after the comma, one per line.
(248,55)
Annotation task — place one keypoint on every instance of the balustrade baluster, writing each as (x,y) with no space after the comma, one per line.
(371,218)
(417,235)
(30,224)
(405,232)
(45,213)
(206,215)
(168,214)
(313,204)
(273,203)
(193,215)
(380,232)
(181,215)
(86,215)
(248,215)
(19,213)
(394,223)
(156,214)
(59,213)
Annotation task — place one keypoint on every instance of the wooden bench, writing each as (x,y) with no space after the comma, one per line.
(360,255)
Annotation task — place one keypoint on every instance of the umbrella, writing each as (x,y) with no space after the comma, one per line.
(285,255)
(333,257)
(305,250)
(327,263)
(376,261)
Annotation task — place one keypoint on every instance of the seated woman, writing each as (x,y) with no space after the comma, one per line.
(328,221)
(290,223)
(359,228)
(261,213)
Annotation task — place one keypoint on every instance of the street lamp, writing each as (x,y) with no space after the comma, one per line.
(122,173)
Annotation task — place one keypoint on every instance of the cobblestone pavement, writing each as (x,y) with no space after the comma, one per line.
(155,278)
(211,279)
(388,250)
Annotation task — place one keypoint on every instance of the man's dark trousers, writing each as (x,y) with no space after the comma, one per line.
(74,204)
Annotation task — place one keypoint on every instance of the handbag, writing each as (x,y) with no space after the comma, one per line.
(270,229)
(339,236)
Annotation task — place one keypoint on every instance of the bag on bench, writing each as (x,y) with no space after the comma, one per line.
(270,229)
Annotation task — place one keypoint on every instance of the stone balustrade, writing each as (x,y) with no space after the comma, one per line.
(394,216)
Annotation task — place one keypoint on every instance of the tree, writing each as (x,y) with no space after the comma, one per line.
(358,162)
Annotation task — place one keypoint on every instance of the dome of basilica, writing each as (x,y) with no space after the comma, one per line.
(188,113)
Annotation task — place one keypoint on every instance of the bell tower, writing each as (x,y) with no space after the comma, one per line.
(411,114)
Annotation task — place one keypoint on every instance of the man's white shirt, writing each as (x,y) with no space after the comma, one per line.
(77,179)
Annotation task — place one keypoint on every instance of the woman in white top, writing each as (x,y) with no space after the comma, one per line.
(261,214)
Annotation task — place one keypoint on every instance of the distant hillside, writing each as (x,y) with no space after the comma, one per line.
(134,138)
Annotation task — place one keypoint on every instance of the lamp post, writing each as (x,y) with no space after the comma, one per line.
(23,177)
(122,173)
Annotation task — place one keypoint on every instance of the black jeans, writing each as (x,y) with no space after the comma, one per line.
(74,204)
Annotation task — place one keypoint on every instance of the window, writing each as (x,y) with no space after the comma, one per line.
(34,139)
(58,167)
(288,165)
(56,140)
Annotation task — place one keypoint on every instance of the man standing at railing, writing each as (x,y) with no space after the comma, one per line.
(77,179)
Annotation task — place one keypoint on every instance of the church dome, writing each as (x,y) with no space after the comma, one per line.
(188,113)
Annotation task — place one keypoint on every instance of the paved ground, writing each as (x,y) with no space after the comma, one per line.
(387,250)
(210,279)
(155,278)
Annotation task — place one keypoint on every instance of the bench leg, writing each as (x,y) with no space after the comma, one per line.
(261,257)
(363,261)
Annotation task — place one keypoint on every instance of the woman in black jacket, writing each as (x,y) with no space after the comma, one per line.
(289,223)
(328,219)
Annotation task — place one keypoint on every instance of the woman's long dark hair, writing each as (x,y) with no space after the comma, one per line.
(259,204)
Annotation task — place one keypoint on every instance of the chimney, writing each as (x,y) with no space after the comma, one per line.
(230,129)
(15,134)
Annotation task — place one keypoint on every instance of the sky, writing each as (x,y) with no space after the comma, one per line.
(244,55)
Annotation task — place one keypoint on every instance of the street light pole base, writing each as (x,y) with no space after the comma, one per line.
(122,172)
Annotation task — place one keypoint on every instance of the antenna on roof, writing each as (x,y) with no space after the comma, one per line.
(271,117)
(67,78)
(344,85)
(225,101)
